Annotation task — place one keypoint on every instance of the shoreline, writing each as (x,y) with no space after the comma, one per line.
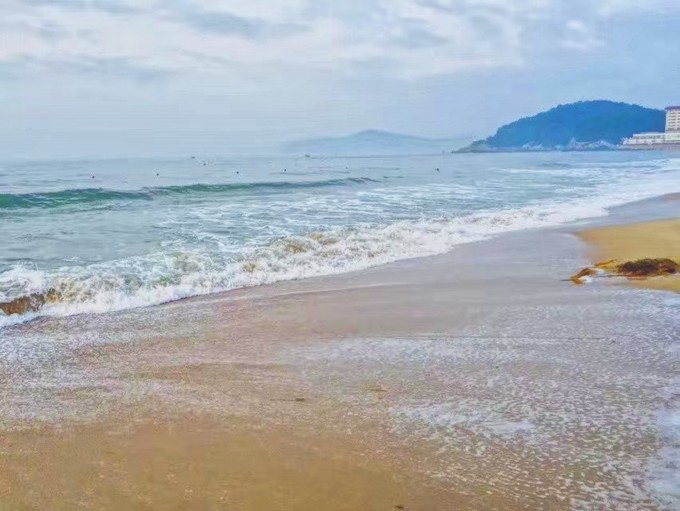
(474,379)
(75,291)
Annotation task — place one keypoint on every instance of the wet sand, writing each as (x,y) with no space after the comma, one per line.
(473,380)
(197,462)
(660,239)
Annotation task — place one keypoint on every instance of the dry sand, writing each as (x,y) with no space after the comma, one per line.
(659,239)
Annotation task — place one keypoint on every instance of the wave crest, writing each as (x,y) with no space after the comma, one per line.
(163,277)
(81,196)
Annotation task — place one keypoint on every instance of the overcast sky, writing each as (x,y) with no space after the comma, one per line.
(170,77)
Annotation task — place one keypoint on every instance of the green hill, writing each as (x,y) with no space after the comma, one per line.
(585,125)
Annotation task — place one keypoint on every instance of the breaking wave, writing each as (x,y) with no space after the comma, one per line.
(167,274)
(98,195)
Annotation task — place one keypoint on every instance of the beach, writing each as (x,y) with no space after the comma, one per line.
(413,255)
(476,379)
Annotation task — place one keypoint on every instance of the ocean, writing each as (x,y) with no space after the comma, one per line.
(105,235)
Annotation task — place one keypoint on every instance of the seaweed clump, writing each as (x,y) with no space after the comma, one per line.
(649,267)
(637,269)
(579,279)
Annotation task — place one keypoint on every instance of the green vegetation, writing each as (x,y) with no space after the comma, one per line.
(586,125)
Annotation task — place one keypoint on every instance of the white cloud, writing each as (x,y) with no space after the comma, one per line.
(397,38)
(613,7)
(579,36)
(405,38)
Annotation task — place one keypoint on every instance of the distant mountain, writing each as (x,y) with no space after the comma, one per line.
(586,125)
(372,142)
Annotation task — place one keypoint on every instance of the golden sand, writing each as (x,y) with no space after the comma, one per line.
(659,239)
(196,462)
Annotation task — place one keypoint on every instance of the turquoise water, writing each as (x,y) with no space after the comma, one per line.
(118,234)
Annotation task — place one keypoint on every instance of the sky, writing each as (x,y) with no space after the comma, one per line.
(110,78)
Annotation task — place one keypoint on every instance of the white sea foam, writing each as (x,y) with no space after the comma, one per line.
(664,469)
(171,274)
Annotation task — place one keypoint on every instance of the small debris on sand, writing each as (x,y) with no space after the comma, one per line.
(376,389)
(606,265)
(579,278)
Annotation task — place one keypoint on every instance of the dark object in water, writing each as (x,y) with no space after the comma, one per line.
(30,303)
(649,267)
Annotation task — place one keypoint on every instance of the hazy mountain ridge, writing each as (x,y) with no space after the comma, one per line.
(374,142)
(585,125)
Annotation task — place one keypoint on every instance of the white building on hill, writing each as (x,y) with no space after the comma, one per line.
(672,119)
(668,139)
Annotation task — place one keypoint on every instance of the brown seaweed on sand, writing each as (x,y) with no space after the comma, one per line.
(606,265)
(648,267)
(637,269)
(578,278)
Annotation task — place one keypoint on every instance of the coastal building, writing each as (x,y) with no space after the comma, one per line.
(669,139)
(672,119)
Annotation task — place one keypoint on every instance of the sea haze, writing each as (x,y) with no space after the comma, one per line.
(117,234)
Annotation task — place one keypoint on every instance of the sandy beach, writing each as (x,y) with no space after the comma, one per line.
(478,379)
(413,255)
(659,239)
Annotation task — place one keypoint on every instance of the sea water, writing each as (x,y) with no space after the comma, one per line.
(108,235)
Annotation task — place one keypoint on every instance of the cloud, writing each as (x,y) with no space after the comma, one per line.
(411,38)
(578,36)
(47,31)
(634,7)
(419,37)
(107,68)
(229,24)
(402,39)
(108,6)
(102,69)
